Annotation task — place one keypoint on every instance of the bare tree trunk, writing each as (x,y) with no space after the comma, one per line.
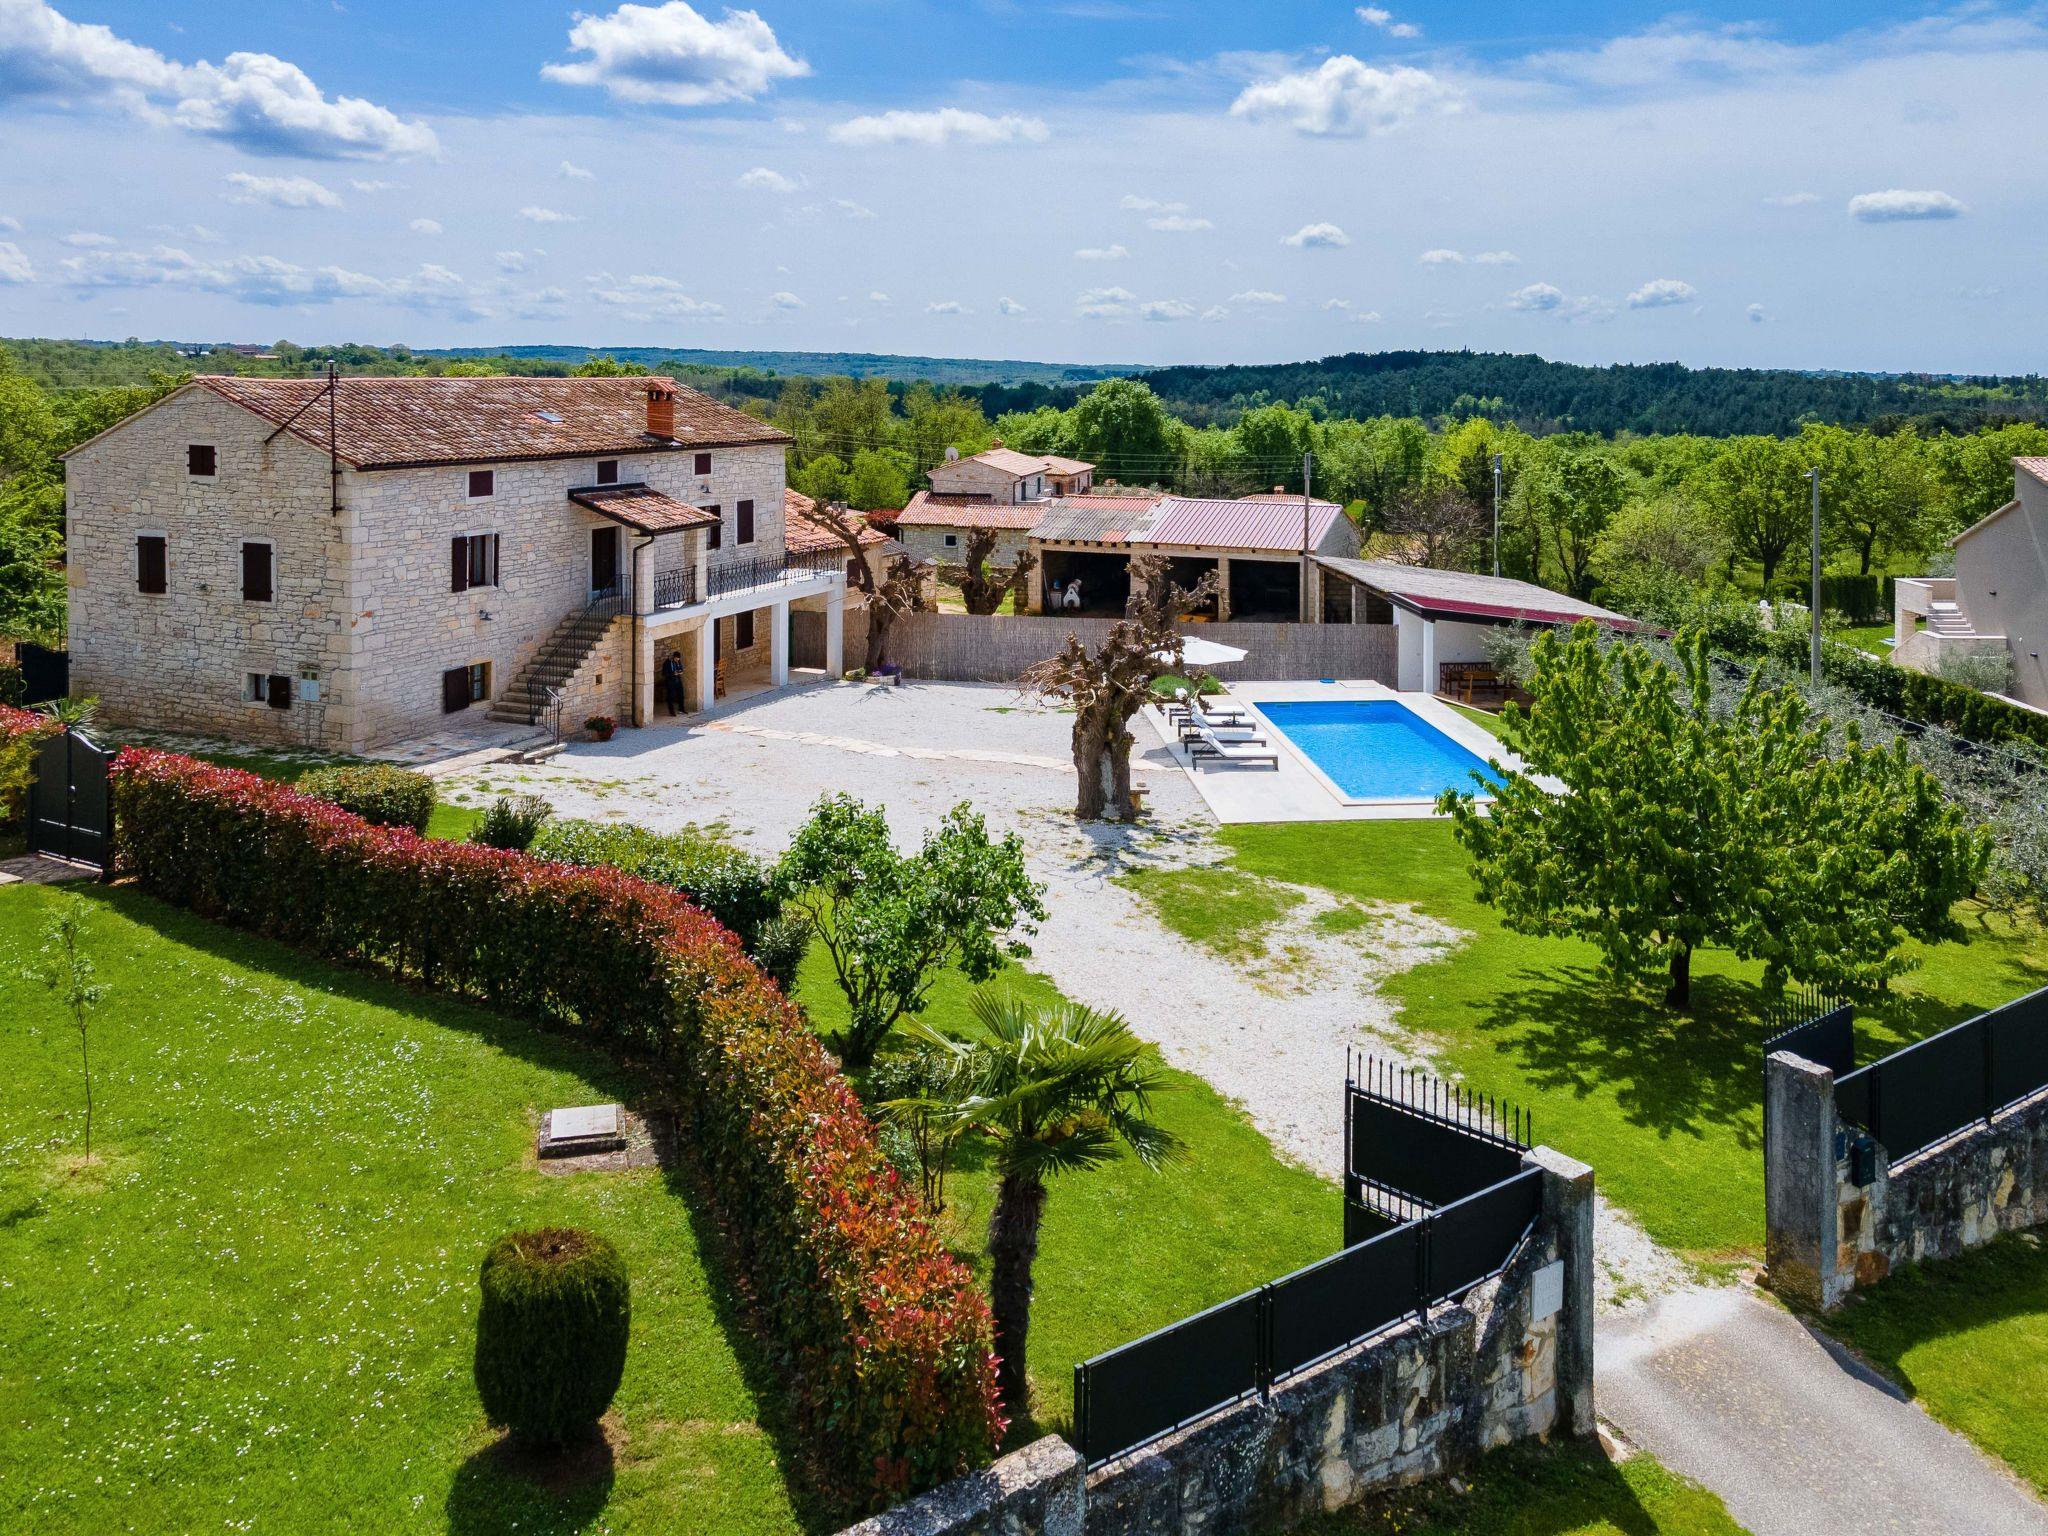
(1089,747)
(1119,752)
(1679,993)
(1012,1251)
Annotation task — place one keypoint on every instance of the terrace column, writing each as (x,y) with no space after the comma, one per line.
(778,644)
(835,632)
(707,665)
(1429,677)
(1222,589)
(643,674)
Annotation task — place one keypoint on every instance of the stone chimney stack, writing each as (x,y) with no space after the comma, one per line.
(661,410)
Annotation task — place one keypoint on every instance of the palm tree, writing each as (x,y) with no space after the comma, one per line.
(1057,1089)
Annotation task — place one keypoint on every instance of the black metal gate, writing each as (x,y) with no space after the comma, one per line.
(70,814)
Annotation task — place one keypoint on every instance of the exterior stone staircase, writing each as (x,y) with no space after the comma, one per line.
(525,699)
(1949,620)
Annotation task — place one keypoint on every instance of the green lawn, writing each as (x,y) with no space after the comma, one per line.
(1665,1108)
(1968,1337)
(1544,1491)
(1126,1250)
(449,821)
(255,1312)
(1873,638)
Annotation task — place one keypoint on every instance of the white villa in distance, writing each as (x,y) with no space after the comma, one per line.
(344,567)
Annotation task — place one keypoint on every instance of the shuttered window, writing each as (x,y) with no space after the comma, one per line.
(703,463)
(743,632)
(472,561)
(482,483)
(607,471)
(454,690)
(743,516)
(151,564)
(717,529)
(278,692)
(256,583)
(200,460)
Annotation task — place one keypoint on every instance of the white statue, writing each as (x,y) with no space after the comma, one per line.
(1072,598)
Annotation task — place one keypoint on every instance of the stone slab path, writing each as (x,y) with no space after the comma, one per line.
(30,869)
(1791,1431)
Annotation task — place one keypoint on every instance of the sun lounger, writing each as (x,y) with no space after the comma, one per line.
(1216,718)
(1192,730)
(1208,746)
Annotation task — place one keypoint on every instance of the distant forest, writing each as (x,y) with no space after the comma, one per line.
(1511,389)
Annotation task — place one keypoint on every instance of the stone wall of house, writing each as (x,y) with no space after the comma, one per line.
(364,605)
(956,647)
(1512,1361)
(180,660)
(971,477)
(603,685)
(929,543)
(1826,1235)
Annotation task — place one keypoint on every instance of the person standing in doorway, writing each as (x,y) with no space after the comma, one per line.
(672,682)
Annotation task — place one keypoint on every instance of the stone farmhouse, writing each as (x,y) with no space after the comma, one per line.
(1000,489)
(346,565)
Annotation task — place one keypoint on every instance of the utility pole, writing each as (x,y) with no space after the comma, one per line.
(1308,469)
(1496,516)
(1814,613)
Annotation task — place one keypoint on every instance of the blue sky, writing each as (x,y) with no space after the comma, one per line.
(1100,180)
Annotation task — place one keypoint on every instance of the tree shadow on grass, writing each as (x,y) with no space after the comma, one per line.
(1572,1031)
(1529,1490)
(507,1487)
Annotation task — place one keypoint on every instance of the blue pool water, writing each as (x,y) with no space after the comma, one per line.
(1375,749)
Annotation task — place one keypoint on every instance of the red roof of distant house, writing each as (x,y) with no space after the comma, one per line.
(2033,465)
(928,510)
(1289,497)
(642,509)
(394,423)
(801,536)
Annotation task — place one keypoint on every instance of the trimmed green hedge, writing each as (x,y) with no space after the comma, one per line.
(551,1332)
(881,1334)
(1914,695)
(380,793)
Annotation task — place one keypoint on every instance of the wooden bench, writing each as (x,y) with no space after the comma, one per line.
(1473,682)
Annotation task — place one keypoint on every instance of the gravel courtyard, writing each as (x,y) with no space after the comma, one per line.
(1270,1034)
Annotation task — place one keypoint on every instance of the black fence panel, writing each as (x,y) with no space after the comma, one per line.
(1474,1238)
(45,674)
(70,811)
(1363,1222)
(1431,1159)
(1153,1385)
(1317,1311)
(1926,1092)
(2019,1048)
(1828,1041)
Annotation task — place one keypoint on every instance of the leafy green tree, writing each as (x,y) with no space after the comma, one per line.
(936,420)
(1122,429)
(68,971)
(1753,487)
(606,367)
(1572,492)
(1655,554)
(876,479)
(1973,473)
(893,923)
(1681,827)
(1054,1090)
(823,479)
(1271,442)
(851,415)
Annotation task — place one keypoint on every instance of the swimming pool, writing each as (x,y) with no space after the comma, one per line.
(1374,749)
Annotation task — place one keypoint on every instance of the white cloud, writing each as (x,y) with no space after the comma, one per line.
(784,299)
(1337,306)
(1669,54)
(534,215)
(1345,96)
(878,297)
(1166,309)
(947,125)
(1215,312)
(280,191)
(1101,253)
(1009,306)
(425,226)
(1662,293)
(1756,314)
(1178,223)
(199,232)
(851,209)
(1132,203)
(89,239)
(647,297)
(1442,257)
(1105,303)
(1497,259)
(1317,237)
(254,100)
(9,224)
(1792,199)
(512,261)
(1366,317)
(670,55)
(1258,296)
(947,307)
(14,266)
(576,172)
(762,179)
(267,280)
(1378,16)
(1538,298)
(372,186)
(1897,206)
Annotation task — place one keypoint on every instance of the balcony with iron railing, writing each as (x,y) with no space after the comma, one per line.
(684,589)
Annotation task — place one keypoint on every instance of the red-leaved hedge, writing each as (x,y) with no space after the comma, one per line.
(885,1340)
(19,729)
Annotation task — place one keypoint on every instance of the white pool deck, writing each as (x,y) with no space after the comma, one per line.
(1298,791)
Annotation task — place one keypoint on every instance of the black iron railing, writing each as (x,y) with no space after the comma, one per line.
(681,588)
(1963,1076)
(675,589)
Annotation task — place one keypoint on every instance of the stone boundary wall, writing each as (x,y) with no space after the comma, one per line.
(963,648)
(1826,1235)
(1512,1361)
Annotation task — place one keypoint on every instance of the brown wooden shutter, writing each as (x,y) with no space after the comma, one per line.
(458,565)
(717,529)
(150,564)
(454,690)
(277,693)
(256,573)
(744,513)
(496,546)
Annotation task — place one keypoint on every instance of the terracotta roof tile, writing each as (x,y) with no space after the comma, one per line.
(2033,465)
(642,509)
(801,537)
(390,423)
(1011,461)
(927,510)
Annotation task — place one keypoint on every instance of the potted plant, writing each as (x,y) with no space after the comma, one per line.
(601,726)
(888,674)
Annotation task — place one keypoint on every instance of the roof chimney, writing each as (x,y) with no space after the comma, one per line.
(952,455)
(1279,490)
(661,410)
(996,442)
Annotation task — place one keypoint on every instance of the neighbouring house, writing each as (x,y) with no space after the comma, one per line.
(1997,601)
(937,528)
(1003,474)
(271,560)
(1441,618)
(803,537)
(1264,551)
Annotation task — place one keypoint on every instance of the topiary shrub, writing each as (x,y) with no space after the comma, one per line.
(551,1332)
(513,821)
(383,795)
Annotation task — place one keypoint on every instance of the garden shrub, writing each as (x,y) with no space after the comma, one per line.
(383,795)
(20,730)
(512,821)
(878,1328)
(13,686)
(551,1332)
